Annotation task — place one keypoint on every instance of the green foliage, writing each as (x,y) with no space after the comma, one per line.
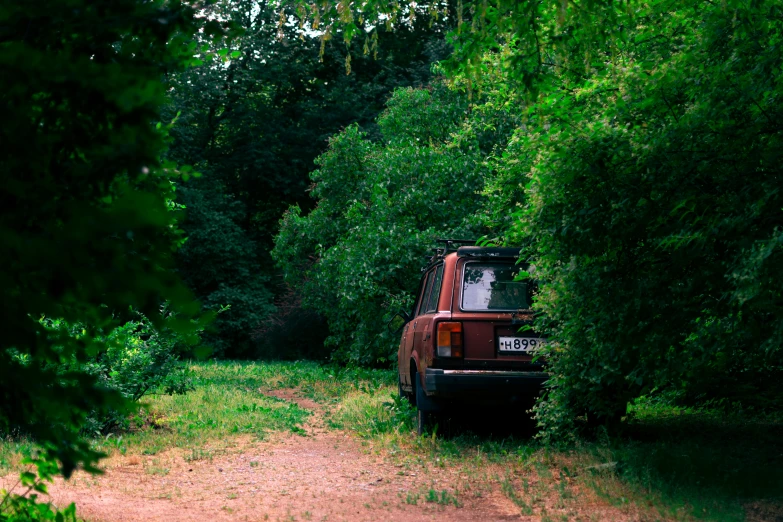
(139,358)
(26,508)
(222,265)
(521,35)
(89,226)
(254,116)
(655,211)
(643,180)
(21,504)
(357,255)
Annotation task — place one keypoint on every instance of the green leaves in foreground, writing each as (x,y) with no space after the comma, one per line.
(86,234)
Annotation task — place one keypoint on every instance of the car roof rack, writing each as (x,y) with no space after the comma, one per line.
(488,252)
(449,245)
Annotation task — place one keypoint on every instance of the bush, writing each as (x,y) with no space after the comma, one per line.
(357,256)
(138,358)
(654,216)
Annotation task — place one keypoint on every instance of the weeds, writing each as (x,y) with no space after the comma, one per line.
(507,487)
(443,498)
(197,454)
(370,415)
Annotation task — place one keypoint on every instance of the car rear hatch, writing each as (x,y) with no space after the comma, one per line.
(493,312)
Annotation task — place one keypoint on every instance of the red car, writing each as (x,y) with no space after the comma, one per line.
(468,339)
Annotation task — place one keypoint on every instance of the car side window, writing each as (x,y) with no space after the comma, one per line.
(424,294)
(432,302)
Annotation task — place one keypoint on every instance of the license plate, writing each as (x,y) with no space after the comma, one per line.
(519,344)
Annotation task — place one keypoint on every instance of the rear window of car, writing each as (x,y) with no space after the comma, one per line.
(432,302)
(425,292)
(491,286)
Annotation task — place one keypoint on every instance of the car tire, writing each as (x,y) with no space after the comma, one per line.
(427,421)
(422,421)
(411,398)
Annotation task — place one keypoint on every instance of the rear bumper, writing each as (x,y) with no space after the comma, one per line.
(477,384)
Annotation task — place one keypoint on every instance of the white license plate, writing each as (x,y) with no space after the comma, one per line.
(519,344)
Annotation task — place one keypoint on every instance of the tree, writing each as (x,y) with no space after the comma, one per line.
(655,211)
(642,180)
(253,122)
(88,231)
(223,266)
(380,206)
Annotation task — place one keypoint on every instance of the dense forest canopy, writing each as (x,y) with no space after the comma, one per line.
(285,166)
(252,120)
(641,177)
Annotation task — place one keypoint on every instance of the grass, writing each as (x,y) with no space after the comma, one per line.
(672,464)
(321,383)
(226,402)
(704,464)
(443,498)
(11,452)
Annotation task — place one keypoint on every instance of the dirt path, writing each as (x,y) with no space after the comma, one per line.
(330,475)
(325,475)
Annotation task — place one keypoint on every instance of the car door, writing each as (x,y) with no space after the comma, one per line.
(409,332)
(415,326)
(428,307)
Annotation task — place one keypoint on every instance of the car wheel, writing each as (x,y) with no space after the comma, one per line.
(426,421)
(422,421)
(405,395)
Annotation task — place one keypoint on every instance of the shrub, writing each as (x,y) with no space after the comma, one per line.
(655,214)
(138,358)
(356,257)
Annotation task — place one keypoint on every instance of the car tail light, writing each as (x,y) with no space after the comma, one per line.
(449,340)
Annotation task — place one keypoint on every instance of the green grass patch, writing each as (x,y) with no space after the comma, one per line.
(325,384)
(442,497)
(12,450)
(702,464)
(374,413)
(227,400)
(672,463)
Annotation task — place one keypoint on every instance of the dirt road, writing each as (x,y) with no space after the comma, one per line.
(323,475)
(187,461)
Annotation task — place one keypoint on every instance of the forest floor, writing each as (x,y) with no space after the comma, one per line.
(300,442)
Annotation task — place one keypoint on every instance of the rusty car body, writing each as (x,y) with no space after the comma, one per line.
(469,337)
